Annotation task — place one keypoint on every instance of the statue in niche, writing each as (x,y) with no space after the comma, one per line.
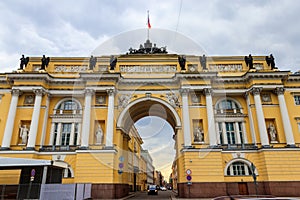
(249,61)
(23,133)
(198,134)
(272,132)
(45,62)
(99,135)
(23,62)
(92,63)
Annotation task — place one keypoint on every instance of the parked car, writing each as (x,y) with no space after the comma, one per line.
(151,189)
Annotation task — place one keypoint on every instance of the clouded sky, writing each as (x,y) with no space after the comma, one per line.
(69,28)
(85,27)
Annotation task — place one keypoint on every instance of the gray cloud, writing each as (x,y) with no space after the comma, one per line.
(219,27)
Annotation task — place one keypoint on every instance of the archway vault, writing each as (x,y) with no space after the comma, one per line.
(148,106)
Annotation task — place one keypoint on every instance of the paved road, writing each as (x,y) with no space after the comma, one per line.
(161,195)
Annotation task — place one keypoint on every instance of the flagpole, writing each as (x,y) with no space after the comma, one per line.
(149,26)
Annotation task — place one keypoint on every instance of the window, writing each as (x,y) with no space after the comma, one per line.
(297,99)
(231,132)
(68,107)
(228,106)
(239,169)
(66,123)
(230,122)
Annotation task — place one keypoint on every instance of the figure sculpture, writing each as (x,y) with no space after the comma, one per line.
(23,62)
(182,61)
(198,135)
(203,62)
(271,61)
(272,132)
(45,62)
(113,62)
(93,61)
(99,135)
(249,61)
(24,134)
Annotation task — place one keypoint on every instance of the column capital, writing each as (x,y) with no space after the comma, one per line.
(256,90)
(16,92)
(184,91)
(111,91)
(279,90)
(208,91)
(39,92)
(89,91)
(246,95)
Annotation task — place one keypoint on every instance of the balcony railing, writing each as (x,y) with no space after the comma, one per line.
(58,148)
(66,112)
(247,146)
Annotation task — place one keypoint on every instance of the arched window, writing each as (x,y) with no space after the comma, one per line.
(228,106)
(68,107)
(239,168)
(230,121)
(66,123)
(68,173)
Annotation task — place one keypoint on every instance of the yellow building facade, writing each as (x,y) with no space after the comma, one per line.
(233,120)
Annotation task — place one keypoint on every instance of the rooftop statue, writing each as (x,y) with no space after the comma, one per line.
(249,61)
(92,63)
(271,61)
(23,62)
(147,48)
(45,62)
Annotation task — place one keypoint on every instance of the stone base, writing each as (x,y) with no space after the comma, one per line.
(212,190)
(109,191)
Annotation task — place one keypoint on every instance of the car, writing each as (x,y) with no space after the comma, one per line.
(151,189)
(163,188)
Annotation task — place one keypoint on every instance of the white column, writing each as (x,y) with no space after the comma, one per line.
(35,119)
(252,129)
(210,117)
(78,134)
(45,121)
(110,119)
(245,133)
(72,134)
(237,133)
(86,123)
(186,118)
(52,135)
(285,117)
(260,117)
(224,133)
(10,119)
(58,135)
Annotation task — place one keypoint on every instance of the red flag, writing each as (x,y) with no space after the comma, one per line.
(148,22)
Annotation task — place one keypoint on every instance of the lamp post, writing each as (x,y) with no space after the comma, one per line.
(254,177)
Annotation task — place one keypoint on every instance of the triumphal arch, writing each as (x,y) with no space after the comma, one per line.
(235,121)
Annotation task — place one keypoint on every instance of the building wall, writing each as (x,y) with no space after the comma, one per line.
(134,92)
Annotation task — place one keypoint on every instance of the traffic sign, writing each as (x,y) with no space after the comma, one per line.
(189,177)
(32,172)
(121,165)
(188,172)
(121,158)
